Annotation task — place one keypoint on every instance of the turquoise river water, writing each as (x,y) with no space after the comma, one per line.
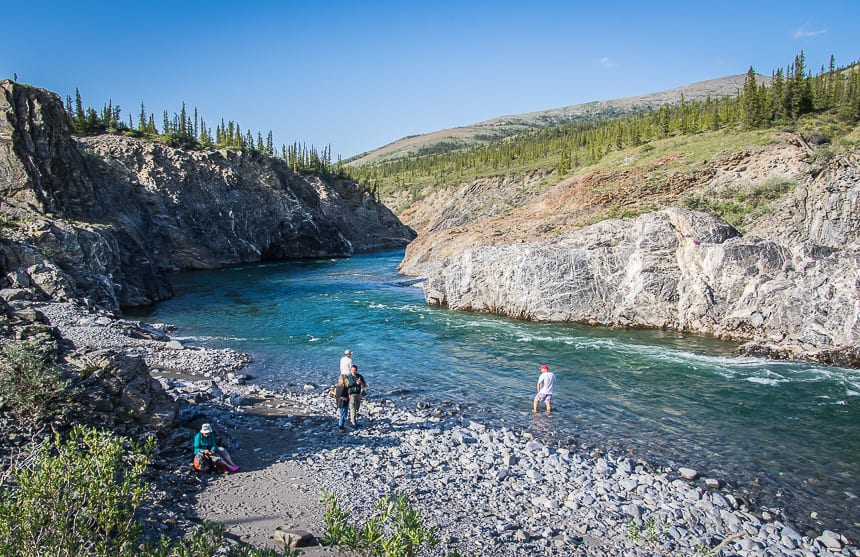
(785,434)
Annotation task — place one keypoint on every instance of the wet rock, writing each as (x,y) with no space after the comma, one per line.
(830,540)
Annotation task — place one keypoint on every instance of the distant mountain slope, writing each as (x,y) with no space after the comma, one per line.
(509,125)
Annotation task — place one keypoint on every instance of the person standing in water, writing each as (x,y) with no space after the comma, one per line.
(545,385)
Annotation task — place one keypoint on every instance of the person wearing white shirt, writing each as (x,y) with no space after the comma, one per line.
(545,386)
(346,362)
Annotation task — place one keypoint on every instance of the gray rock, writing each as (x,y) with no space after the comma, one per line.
(292,538)
(463,436)
(830,540)
(688,473)
(676,269)
(116,219)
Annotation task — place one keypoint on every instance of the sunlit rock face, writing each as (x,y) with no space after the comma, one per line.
(106,217)
(676,269)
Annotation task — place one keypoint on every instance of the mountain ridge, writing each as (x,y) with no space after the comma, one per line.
(504,126)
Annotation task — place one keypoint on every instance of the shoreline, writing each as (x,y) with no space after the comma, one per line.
(492,489)
(488,488)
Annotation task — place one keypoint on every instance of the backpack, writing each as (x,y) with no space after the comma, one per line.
(203,463)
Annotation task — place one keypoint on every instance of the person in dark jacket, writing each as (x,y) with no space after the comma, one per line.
(357,385)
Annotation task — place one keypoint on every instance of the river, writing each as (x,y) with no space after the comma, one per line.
(786,434)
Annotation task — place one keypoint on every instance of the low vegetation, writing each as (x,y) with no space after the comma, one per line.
(739,205)
(825,105)
(79,494)
(395,530)
(78,497)
(82,497)
(32,386)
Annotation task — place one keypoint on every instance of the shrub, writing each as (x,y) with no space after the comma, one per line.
(31,380)
(207,541)
(79,498)
(739,206)
(395,530)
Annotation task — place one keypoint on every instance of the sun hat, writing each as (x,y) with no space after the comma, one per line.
(206,428)
(347,352)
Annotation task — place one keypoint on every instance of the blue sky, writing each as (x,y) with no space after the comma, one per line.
(359,74)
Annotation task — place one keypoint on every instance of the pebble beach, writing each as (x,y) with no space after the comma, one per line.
(495,491)
(490,490)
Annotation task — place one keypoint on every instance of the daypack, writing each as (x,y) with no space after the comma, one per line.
(204,463)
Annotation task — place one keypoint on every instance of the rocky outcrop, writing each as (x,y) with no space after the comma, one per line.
(787,286)
(207,209)
(526,208)
(675,269)
(824,210)
(40,165)
(105,218)
(107,387)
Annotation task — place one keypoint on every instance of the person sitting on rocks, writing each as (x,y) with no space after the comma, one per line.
(204,442)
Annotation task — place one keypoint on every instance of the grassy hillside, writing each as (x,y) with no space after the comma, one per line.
(822,109)
(506,126)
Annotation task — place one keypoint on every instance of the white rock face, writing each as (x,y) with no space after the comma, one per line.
(674,268)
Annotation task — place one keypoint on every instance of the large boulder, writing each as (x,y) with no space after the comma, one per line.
(120,393)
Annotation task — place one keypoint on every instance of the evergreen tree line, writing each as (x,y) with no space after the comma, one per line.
(789,96)
(188,130)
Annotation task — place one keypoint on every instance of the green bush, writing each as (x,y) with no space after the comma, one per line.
(207,541)
(79,498)
(31,383)
(395,530)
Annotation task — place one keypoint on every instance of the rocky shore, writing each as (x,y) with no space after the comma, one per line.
(490,490)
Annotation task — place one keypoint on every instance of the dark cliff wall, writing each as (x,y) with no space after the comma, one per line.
(106,217)
(40,166)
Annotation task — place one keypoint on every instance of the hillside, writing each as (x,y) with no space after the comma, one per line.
(504,126)
(537,206)
(602,223)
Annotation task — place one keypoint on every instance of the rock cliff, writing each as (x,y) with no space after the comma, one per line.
(790,286)
(105,218)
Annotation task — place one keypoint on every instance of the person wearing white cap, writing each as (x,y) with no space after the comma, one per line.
(346,362)
(204,442)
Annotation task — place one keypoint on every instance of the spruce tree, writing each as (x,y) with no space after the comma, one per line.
(777,96)
(79,106)
(141,124)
